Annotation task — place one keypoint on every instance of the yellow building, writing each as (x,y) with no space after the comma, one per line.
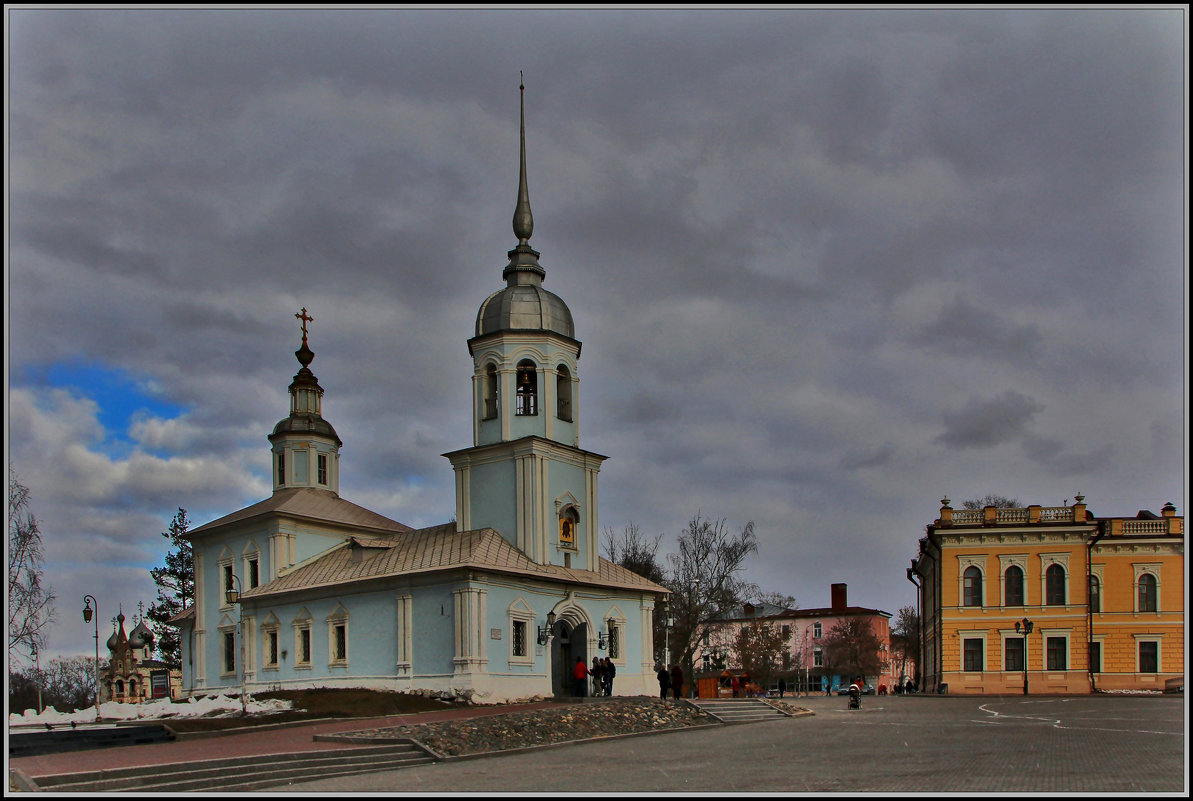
(1050,600)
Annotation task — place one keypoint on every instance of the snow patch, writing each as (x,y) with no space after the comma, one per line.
(215,706)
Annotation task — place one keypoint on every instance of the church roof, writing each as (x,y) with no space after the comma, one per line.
(436,549)
(317,505)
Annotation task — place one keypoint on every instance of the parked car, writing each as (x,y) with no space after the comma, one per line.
(867,689)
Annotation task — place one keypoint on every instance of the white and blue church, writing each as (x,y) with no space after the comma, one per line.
(306,589)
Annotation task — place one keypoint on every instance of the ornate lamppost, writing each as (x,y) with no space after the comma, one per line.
(88,614)
(36,673)
(232,595)
(1024,627)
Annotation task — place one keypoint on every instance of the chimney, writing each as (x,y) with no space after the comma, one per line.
(838,597)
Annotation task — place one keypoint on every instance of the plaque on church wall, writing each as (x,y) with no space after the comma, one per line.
(494,634)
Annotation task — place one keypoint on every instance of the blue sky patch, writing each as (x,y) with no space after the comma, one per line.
(119,394)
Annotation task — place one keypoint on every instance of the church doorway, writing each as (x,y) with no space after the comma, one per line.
(567,645)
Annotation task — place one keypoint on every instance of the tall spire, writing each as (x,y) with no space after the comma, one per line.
(523,267)
(523,219)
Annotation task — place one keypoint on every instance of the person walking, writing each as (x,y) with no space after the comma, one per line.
(664,681)
(782,688)
(608,671)
(676,681)
(580,676)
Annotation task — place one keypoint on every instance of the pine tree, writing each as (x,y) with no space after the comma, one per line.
(175,589)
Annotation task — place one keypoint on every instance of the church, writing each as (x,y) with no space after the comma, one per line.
(307,589)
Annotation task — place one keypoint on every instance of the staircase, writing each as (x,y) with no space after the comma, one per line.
(739,710)
(238,774)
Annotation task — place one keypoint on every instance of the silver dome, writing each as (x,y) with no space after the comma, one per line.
(524,307)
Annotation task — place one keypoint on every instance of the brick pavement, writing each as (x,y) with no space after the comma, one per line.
(893,744)
(257,740)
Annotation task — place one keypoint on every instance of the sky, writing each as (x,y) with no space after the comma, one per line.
(828,267)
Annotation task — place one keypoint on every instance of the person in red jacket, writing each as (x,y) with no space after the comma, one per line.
(580,675)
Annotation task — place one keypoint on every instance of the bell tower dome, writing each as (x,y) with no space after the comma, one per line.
(306,449)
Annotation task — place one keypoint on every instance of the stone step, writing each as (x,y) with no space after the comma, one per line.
(241,773)
(740,710)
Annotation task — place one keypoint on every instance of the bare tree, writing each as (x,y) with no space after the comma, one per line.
(70,682)
(776,598)
(634,551)
(705,581)
(997,501)
(758,649)
(30,601)
(905,639)
(851,648)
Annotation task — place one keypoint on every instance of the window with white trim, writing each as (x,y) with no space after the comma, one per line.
(972,653)
(302,640)
(337,637)
(228,651)
(521,621)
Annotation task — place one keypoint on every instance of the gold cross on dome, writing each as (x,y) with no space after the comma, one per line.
(306,318)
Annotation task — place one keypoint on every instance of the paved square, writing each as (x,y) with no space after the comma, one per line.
(893,744)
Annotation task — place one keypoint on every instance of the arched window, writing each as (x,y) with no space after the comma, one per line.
(1014,586)
(1147,592)
(1095,594)
(490,390)
(563,393)
(568,521)
(119,687)
(1054,586)
(528,389)
(972,590)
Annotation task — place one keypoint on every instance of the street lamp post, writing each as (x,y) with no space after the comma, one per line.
(232,595)
(36,673)
(89,613)
(1024,627)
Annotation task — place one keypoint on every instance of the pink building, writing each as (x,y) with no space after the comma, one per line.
(803,666)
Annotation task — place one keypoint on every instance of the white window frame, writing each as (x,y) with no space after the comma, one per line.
(1005,562)
(1047,560)
(337,618)
(225,629)
(520,612)
(1047,634)
(1140,568)
(963,564)
(1158,640)
(965,636)
(270,628)
(302,622)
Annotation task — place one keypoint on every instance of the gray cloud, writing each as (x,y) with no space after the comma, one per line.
(826,266)
(986,423)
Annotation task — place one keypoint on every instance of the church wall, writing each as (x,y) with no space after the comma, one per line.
(566,485)
(492,498)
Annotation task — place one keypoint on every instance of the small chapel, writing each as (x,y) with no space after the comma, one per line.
(307,589)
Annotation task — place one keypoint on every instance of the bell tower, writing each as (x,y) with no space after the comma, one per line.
(525,474)
(306,449)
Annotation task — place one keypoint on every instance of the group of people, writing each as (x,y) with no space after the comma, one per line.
(670,681)
(601,674)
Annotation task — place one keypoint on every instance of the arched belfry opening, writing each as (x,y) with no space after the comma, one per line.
(563,393)
(528,389)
